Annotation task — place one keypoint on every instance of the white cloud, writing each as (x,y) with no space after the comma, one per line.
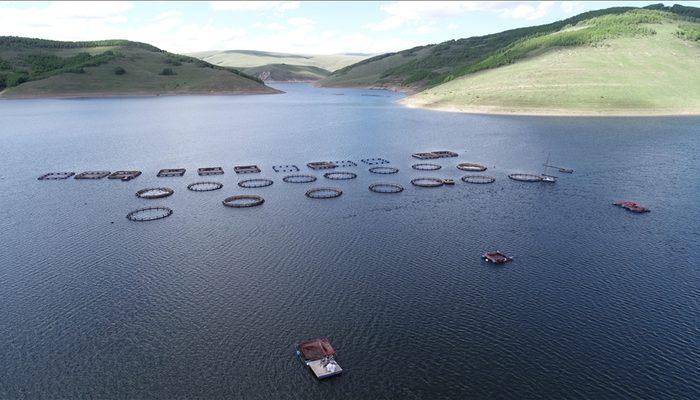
(401,13)
(299,21)
(278,6)
(572,7)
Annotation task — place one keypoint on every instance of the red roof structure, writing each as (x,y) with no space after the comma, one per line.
(315,349)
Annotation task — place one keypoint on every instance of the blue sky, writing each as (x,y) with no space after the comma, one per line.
(296,27)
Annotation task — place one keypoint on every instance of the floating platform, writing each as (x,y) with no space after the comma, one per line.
(52,176)
(124,175)
(246,169)
(319,356)
(561,169)
(316,165)
(448,181)
(631,206)
(210,171)
(496,257)
(434,154)
(472,167)
(171,172)
(374,161)
(285,168)
(92,175)
(345,163)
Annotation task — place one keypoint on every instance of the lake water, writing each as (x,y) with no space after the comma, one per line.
(599,302)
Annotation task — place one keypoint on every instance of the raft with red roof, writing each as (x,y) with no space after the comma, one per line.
(319,356)
(631,206)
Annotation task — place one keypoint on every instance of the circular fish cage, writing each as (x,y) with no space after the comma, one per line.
(243,200)
(386,188)
(525,177)
(471,167)
(479,179)
(255,183)
(340,175)
(426,167)
(154,193)
(427,182)
(299,178)
(204,186)
(149,214)
(323,193)
(383,170)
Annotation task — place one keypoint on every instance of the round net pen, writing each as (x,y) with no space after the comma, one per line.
(384,170)
(385,188)
(478,179)
(243,200)
(204,186)
(324,193)
(255,183)
(299,179)
(154,193)
(525,177)
(426,167)
(340,175)
(149,214)
(471,167)
(427,182)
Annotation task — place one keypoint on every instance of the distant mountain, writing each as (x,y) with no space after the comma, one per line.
(617,60)
(254,58)
(47,68)
(287,73)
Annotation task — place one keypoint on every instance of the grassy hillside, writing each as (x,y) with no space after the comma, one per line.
(431,65)
(287,73)
(250,58)
(640,75)
(45,68)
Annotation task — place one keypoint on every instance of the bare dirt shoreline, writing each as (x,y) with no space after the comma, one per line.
(89,95)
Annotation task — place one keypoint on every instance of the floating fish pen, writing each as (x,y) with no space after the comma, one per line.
(561,169)
(384,170)
(246,169)
(374,161)
(210,171)
(471,167)
(316,165)
(299,179)
(631,206)
(340,175)
(204,186)
(323,193)
(426,167)
(345,163)
(149,214)
(92,175)
(525,177)
(243,200)
(434,154)
(478,179)
(124,175)
(496,257)
(385,188)
(53,176)
(255,183)
(319,356)
(154,193)
(427,182)
(285,168)
(171,172)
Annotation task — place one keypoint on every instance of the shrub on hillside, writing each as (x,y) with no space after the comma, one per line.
(167,72)
(119,71)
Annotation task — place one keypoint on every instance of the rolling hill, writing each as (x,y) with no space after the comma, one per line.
(46,68)
(280,66)
(613,61)
(287,73)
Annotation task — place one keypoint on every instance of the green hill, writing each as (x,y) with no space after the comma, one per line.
(586,63)
(287,73)
(46,68)
(251,58)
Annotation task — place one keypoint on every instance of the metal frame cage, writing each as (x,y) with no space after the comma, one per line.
(471,167)
(426,167)
(142,214)
(243,201)
(383,170)
(340,175)
(386,188)
(154,193)
(427,182)
(479,179)
(53,176)
(204,186)
(525,177)
(299,179)
(255,183)
(323,193)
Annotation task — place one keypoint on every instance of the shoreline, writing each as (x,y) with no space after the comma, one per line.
(106,95)
(546,112)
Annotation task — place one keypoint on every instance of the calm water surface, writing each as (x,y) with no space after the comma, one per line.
(599,303)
